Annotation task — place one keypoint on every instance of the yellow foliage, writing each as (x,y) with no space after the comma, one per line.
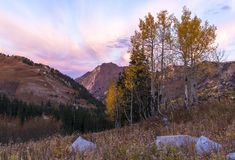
(111,100)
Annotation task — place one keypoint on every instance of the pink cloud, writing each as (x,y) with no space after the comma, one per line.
(45,45)
(48,45)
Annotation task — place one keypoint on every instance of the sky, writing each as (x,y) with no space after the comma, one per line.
(74,36)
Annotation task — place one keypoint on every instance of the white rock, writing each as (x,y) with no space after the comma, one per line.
(82,145)
(175,140)
(230,156)
(205,145)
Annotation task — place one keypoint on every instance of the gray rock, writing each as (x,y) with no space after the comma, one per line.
(175,141)
(230,156)
(205,145)
(82,145)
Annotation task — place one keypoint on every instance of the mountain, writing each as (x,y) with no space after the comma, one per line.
(35,83)
(97,80)
(220,76)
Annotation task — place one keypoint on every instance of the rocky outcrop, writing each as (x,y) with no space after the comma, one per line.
(82,145)
(203,145)
(230,156)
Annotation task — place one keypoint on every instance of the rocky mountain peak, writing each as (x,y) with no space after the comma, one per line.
(97,80)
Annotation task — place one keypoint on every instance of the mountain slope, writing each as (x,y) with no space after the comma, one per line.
(215,80)
(35,83)
(97,81)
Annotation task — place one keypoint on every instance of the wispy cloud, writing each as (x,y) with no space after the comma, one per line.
(75,36)
(225,7)
(123,42)
(45,45)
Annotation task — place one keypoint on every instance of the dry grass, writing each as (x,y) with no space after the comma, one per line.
(137,142)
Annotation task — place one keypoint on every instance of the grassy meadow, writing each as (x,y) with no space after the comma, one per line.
(216,121)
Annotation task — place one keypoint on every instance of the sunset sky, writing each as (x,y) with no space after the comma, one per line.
(74,36)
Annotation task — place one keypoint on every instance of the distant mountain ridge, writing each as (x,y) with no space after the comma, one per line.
(97,81)
(209,82)
(23,79)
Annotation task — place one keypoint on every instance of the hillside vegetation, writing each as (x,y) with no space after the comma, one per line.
(22,122)
(35,83)
(216,121)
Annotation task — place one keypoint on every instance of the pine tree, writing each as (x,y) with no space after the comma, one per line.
(138,78)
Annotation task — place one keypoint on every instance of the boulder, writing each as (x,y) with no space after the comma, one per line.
(82,145)
(230,156)
(175,141)
(206,146)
